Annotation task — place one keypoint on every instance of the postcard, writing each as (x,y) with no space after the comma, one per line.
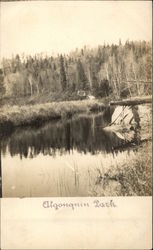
(76,124)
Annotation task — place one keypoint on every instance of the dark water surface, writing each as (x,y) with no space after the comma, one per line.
(60,158)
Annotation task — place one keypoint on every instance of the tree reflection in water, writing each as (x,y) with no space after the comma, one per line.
(83,133)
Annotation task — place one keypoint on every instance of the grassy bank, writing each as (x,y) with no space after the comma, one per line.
(133,177)
(34,114)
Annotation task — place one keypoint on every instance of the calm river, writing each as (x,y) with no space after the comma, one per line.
(60,158)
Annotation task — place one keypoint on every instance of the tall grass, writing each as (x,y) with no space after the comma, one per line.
(131,178)
(28,114)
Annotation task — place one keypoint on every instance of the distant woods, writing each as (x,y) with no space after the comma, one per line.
(116,70)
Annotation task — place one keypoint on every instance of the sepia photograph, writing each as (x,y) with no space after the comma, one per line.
(75,98)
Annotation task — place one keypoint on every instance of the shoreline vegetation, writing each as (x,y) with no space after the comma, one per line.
(133,177)
(37,113)
(12,116)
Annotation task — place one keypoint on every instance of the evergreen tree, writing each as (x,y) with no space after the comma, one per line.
(63,79)
(95,85)
(104,88)
(82,79)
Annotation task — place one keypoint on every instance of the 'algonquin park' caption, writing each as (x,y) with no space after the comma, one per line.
(74,205)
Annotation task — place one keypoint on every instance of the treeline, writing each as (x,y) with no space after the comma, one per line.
(117,70)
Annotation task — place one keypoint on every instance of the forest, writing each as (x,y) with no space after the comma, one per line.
(63,106)
(108,70)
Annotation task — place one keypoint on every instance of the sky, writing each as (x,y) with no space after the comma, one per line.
(32,27)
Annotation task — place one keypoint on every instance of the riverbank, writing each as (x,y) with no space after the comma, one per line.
(130,177)
(11,116)
(83,158)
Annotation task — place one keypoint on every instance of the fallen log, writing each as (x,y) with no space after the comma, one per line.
(134,101)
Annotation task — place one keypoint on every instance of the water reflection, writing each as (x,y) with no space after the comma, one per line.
(83,133)
(59,158)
